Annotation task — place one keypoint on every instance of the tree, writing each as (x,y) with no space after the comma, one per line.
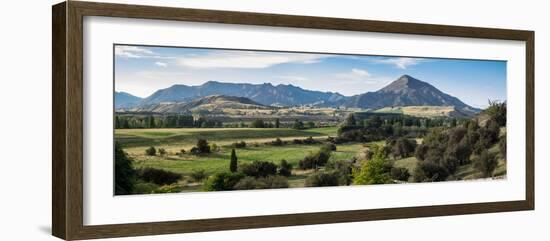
(150,122)
(202,146)
(310,124)
(233,163)
(258,123)
(258,169)
(497,112)
(125,174)
(151,151)
(350,120)
(486,164)
(277,123)
(298,125)
(375,171)
(285,168)
(502,146)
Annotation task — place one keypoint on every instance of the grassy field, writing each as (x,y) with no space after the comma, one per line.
(419,111)
(135,141)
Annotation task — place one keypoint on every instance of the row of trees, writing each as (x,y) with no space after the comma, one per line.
(168,121)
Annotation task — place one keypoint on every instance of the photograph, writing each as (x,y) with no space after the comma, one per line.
(191,119)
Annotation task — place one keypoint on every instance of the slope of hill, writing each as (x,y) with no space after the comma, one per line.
(424,111)
(213,104)
(408,91)
(126,100)
(266,94)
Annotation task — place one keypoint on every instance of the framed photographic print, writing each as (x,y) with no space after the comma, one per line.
(171,120)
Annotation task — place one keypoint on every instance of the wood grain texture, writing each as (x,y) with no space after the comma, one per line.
(67,77)
(58,121)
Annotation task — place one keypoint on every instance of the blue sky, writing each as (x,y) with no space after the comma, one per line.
(141,70)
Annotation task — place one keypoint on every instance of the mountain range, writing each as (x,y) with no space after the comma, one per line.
(405,91)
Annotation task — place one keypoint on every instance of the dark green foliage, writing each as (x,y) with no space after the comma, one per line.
(430,172)
(162,151)
(125,174)
(486,163)
(158,176)
(315,160)
(258,169)
(202,147)
(400,173)
(258,123)
(298,125)
(233,162)
(497,112)
(323,179)
(402,147)
(285,168)
(198,175)
(241,144)
(344,169)
(310,124)
(151,151)
(328,147)
(270,182)
(350,120)
(223,181)
(277,123)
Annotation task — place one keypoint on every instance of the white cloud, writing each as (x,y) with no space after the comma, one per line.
(161,64)
(360,72)
(401,62)
(132,52)
(251,60)
(293,78)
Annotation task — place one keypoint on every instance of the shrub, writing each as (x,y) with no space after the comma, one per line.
(502,147)
(427,171)
(124,172)
(323,179)
(328,147)
(315,160)
(343,167)
(240,144)
(486,164)
(158,176)
(400,173)
(181,153)
(257,124)
(285,168)
(145,188)
(222,181)
(402,147)
(162,151)
(310,141)
(202,147)
(198,175)
(151,151)
(297,141)
(374,171)
(258,169)
(270,182)
(214,147)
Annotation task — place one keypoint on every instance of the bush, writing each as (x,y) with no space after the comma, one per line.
(198,175)
(158,176)
(151,151)
(402,147)
(400,173)
(486,163)
(323,179)
(223,181)
(202,146)
(374,171)
(258,169)
(310,141)
(257,124)
(124,172)
(427,171)
(240,144)
(145,188)
(285,168)
(314,160)
(214,147)
(162,151)
(328,147)
(181,153)
(270,182)
(344,168)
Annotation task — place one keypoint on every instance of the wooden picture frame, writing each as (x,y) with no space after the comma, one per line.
(67,152)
